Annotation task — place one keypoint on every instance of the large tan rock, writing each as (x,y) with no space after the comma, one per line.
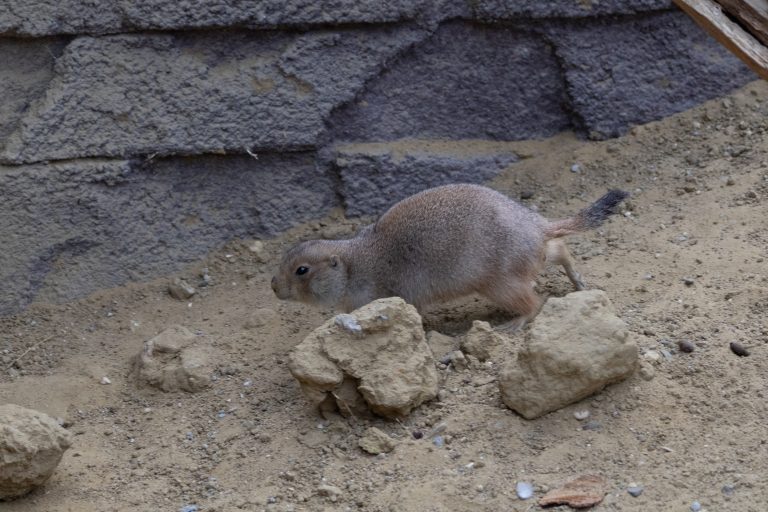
(174,361)
(31,446)
(575,347)
(378,352)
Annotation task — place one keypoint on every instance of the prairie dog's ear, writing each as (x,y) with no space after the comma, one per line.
(334,260)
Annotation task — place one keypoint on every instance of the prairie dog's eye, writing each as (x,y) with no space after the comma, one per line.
(301,271)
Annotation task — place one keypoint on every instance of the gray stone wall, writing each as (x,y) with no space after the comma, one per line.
(135,136)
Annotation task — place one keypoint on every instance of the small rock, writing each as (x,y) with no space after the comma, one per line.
(728,490)
(458,360)
(581,415)
(576,168)
(31,446)
(180,289)
(483,342)
(441,346)
(592,425)
(646,371)
(259,251)
(189,508)
(105,380)
(739,349)
(688,281)
(686,346)
(438,441)
(666,354)
(584,491)
(695,506)
(261,317)
(524,490)
(328,490)
(417,434)
(173,361)
(526,194)
(635,490)
(730,181)
(374,441)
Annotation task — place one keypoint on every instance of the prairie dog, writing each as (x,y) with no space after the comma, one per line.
(439,244)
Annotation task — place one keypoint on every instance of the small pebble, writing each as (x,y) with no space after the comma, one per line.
(695,506)
(576,168)
(686,346)
(417,434)
(189,508)
(667,354)
(728,489)
(526,194)
(524,490)
(438,441)
(738,349)
(688,281)
(635,490)
(581,415)
(105,380)
(592,425)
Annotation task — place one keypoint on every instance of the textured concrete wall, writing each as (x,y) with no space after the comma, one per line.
(126,126)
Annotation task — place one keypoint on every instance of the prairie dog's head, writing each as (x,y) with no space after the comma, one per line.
(311,272)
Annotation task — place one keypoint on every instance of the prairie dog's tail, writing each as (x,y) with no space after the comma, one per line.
(588,218)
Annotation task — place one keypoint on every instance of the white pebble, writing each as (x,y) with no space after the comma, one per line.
(524,490)
(105,380)
(581,415)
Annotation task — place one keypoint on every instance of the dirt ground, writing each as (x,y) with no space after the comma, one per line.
(697,431)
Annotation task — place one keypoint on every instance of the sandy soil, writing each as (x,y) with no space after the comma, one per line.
(700,199)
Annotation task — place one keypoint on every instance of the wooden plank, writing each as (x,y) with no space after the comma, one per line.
(751,14)
(710,16)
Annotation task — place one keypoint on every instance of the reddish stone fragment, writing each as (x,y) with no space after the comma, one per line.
(583,492)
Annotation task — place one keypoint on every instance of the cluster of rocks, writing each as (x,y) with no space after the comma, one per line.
(378,358)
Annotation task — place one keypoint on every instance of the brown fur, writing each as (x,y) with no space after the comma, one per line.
(442,243)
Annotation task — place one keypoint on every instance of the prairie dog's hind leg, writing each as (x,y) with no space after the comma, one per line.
(515,295)
(557,254)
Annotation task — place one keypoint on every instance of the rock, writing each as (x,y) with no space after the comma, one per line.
(441,345)
(261,317)
(328,490)
(388,361)
(180,289)
(259,251)
(695,506)
(483,342)
(575,347)
(686,346)
(31,446)
(739,349)
(374,441)
(635,490)
(585,491)
(524,490)
(458,360)
(581,415)
(647,371)
(174,361)
(652,356)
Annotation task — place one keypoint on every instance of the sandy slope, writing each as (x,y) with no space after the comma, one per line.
(700,185)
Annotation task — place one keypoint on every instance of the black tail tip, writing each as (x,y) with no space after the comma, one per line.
(603,207)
